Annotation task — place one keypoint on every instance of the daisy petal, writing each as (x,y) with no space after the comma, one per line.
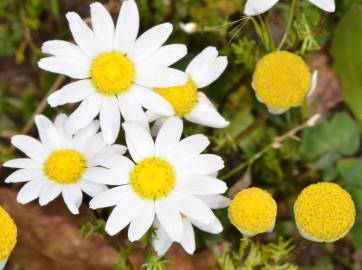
(160,77)
(30,191)
(141,222)
(103,176)
(22,163)
(256,7)
(189,147)
(211,74)
(150,41)
(48,193)
(84,114)
(114,149)
(215,201)
(202,185)
(139,141)
(95,145)
(152,101)
(102,24)
(314,83)
(30,147)
(64,48)
(188,241)
(202,60)
(206,115)
(170,219)
(24,175)
(70,67)
(162,242)
(47,132)
(131,110)
(82,137)
(215,227)
(204,164)
(115,162)
(83,36)
(110,119)
(168,136)
(71,93)
(72,196)
(60,120)
(111,197)
(127,26)
(326,5)
(165,56)
(122,215)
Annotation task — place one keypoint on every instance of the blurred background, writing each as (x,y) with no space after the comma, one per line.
(279,153)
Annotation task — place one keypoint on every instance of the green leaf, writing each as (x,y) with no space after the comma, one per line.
(357,236)
(340,135)
(347,53)
(351,171)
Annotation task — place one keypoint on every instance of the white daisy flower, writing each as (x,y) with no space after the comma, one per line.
(186,100)
(59,163)
(165,182)
(115,69)
(256,7)
(162,242)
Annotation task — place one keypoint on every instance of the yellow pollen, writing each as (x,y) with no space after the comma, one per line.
(112,73)
(324,212)
(65,166)
(282,80)
(253,211)
(183,98)
(8,234)
(152,178)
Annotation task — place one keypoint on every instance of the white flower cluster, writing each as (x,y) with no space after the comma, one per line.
(166,181)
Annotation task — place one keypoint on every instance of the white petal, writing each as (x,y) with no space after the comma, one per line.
(114,149)
(102,24)
(165,56)
(201,185)
(116,162)
(48,134)
(215,227)
(84,114)
(24,175)
(3,263)
(131,110)
(71,93)
(160,77)
(111,197)
(139,141)
(30,147)
(204,99)
(30,191)
(210,74)
(127,26)
(122,215)
(72,196)
(103,176)
(314,83)
(92,189)
(153,101)
(277,111)
(193,207)
(157,126)
(215,201)
(64,48)
(49,192)
(204,164)
(168,136)
(71,67)
(170,219)
(256,7)
(206,115)
(94,146)
(162,242)
(188,241)
(189,147)
(110,119)
(22,163)
(142,221)
(83,36)
(60,120)
(82,138)
(202,60)
(150,41)
(326,5)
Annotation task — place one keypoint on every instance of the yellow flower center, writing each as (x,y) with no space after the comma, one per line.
(282,80)
(65,166)
(253,211)
(182,98)
(324,212)
(8,234)
(112,73)
(152,178)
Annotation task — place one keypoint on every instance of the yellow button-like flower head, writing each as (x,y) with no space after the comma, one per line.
(8,235)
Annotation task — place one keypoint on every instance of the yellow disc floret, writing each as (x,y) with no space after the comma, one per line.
(152,178)
(112,73)
(253,211)
(282,80)
(65,166)
(182,98)
(324,212)
(8,234)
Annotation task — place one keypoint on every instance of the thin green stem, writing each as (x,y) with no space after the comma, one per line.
(289,25)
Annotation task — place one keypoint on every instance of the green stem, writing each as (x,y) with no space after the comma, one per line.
(289,25)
